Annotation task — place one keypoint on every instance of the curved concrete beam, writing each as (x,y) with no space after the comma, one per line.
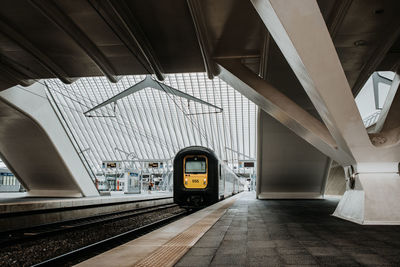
(282,108)
(36,147)
(300,31)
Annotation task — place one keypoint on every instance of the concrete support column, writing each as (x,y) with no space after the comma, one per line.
(288,166)
(36,148)
(300,31)
(372,195)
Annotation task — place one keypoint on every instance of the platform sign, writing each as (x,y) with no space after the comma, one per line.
(111,165)
(249,164)
(153,164)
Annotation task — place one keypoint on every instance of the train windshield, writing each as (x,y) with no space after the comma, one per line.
(195,165)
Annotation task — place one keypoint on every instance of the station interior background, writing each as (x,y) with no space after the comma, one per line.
(136,137)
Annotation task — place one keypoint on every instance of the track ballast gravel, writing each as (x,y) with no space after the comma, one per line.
(35,251)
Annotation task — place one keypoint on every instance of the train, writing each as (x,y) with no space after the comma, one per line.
(202,179)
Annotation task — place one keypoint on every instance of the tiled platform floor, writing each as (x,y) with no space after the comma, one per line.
(292,232)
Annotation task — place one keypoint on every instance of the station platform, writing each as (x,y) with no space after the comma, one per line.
(19,211)
(251,232)
(17,202)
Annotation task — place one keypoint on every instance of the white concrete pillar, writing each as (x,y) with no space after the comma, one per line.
(36,147)
(300,31)
(372,195)
(287,166)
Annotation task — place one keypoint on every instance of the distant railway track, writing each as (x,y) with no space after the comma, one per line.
(74,208)
(35,214)
(20,235)
(88,251)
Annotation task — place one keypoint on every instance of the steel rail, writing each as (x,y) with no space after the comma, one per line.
(70,225)
(106,244)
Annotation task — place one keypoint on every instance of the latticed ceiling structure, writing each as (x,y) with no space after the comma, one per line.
(154,124)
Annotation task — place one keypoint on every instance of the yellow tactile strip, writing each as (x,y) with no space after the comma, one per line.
(141,248)
(169,253)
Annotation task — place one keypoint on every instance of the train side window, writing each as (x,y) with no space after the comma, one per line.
(220,174)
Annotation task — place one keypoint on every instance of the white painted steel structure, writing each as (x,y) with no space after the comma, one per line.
(153,124)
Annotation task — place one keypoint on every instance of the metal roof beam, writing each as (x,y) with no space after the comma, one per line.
(338,13)
(120,18)
(239,153)
(282,108)
(201,33)
(148,82)
(14,75)
(263,68)
(29,47)
(371,65)
(65,23)
(24,71)
(171,90)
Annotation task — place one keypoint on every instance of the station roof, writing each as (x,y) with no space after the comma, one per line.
(153,124)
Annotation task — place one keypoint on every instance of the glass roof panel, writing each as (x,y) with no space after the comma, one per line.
(153,124)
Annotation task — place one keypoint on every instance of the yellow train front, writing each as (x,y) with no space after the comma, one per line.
(201,179)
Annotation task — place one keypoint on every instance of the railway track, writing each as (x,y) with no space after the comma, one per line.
(91,250)
(70,242)
(21,235)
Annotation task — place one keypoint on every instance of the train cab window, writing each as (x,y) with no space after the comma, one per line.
(195,165)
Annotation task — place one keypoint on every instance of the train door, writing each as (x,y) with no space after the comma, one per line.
(221,187)
(236,188)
